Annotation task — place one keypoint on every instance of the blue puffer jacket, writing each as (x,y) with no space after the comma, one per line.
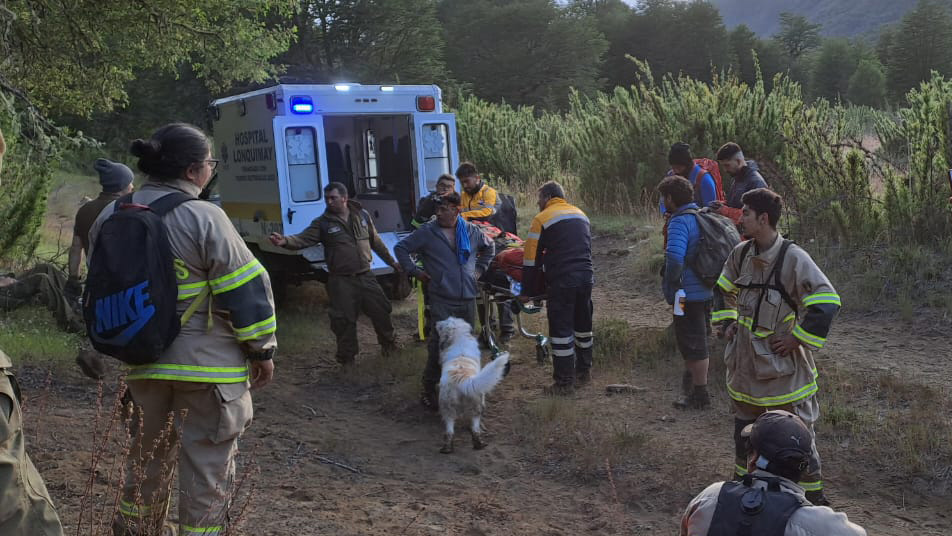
(683,237)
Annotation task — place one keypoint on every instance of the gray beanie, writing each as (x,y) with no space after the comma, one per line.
(113,176)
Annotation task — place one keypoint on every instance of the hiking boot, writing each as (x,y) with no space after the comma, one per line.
(505,338)
(687,391)
(582,378)
(698,399)
(817,498)
(92,364)
(559,389)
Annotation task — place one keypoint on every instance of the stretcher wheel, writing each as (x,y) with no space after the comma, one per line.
(542,354)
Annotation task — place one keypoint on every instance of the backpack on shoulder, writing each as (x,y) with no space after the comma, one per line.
(129,303)
(714,170)
(718,238)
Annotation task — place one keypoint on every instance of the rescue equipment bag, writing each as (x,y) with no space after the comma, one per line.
(711,167)
(743,510)
(129,303)
(718,238)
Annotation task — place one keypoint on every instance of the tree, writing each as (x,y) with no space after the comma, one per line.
(77,57)
(797,35)
(677,37)
(368,41)
(832,69)
(923,43)
(743,43)
(867,86)
(613,18)
(524,52)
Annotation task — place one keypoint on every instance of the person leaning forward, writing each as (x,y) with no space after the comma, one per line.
(775,307)
(348,234)
(455,254)
(767,501)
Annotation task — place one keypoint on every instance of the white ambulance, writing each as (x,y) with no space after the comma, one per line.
(280,146)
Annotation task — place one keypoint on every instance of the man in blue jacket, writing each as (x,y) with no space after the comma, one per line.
(691,328)
(455,253)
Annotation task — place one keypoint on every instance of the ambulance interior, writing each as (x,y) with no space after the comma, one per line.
(374,157)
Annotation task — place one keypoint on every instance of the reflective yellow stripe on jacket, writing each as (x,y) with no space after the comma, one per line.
(802,393)
(237,278)
(188,373)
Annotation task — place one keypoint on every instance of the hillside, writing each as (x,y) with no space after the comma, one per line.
(840,18)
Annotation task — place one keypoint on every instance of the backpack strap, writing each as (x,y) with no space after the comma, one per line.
(166,203)
(777,284)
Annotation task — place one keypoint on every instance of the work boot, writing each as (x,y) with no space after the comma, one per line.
(559,389)
(390,349)
(698,399)
(505,338)
(687,391)
(582,377)
(92,364)
(817,498)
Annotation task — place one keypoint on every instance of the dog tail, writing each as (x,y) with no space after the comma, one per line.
(487,378)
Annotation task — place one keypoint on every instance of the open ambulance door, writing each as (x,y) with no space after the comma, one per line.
(302,169)
(437,150)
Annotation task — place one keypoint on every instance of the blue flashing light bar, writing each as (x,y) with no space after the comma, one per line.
(302,105)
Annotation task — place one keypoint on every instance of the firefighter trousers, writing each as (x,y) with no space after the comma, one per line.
(349,296)
(45,284)
(570,331)
(199,424)
(808,410)
(25,506)
(441,309)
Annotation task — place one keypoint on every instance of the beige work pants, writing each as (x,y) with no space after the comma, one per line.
(25,505)
(196,422)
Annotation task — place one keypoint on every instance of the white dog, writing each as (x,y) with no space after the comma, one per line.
(463,385)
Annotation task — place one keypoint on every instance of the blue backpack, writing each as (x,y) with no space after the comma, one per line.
(129,303)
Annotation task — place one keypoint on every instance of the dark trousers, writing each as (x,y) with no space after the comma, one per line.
(441,309)
(570,331)
(351,295)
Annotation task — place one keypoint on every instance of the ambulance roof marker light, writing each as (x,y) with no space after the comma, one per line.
(301,104)
(388,89)
(342,87)
(426,103)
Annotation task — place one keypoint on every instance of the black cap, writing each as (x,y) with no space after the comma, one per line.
(680,155)
(781,438)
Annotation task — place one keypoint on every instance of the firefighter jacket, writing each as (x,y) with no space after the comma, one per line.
(805,521)
(236,316)
(347,244)
(558,249)
(481,205)
(803,304)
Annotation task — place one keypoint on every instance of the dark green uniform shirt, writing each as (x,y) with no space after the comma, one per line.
(347,244)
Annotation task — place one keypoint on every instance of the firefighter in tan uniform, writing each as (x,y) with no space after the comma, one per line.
(25,506)
(200,383)
(777,308)
(348,234)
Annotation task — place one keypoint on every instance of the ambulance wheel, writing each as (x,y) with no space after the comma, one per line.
(542,354)
(396,286)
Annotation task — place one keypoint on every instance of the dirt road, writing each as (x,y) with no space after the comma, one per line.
(352,453)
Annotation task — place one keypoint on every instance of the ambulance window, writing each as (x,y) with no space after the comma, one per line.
(436,155)
(371,151)
(303,174)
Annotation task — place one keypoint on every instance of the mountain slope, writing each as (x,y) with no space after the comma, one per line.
(841,18)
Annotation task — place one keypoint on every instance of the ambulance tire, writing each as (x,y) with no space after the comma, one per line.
(394,288)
